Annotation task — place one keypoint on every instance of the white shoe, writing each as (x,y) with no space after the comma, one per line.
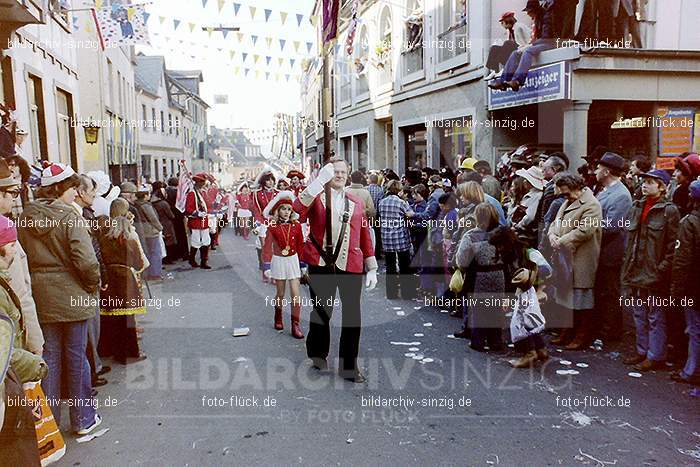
(490,75)
(96,423)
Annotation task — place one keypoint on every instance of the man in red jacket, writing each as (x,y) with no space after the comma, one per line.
(198,222)
(342,270)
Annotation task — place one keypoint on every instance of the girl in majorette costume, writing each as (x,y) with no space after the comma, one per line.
(265,191)
(283,244)
(296,178)
(244,202)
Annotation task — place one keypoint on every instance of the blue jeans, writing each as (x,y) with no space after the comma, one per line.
(64,350)
(692,321)
(519,63)
(155,257)
(650,324)
(93,340)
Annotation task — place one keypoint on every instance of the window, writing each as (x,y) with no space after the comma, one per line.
(177,126)
(361,146)
(162,121)
(153,124)
(452,31)
(59,10)
(413,38)
(120,92)
(144,115)
(110,80)
(37,117)
(66,140)
(383,50)
(345,82)
(361,63)
(170,124)
(455,140)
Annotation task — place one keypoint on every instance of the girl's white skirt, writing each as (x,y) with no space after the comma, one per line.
(285,267)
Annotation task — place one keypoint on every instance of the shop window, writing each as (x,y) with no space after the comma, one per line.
(416,141)
(455,140)
(37,117)
(452,39)
(413,39)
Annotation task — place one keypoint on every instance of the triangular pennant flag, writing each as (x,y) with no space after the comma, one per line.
(309,45)
(232,54)
(267,14)
(236,7)
(267,59)
(224,32)
(176,23)
(296,46)
(221,5)
(313,20)
(146,15)
(246,71)
(283,17)
(299,19)
(257,74)
(210,30)
(98,4)
(192,26)
(267,75)
(219,49)
(287,77)
(254,39)
(237,70)
(291,62)
(239,36)
(245,55)
(256,57)
(269,42)
(252,11)
(282,42)
(204,3)
(162,19)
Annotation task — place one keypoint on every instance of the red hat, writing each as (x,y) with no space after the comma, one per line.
(200,177)
(55,173)
(506,15)
(690,166)
(8,231)
(296,173)
(283,197)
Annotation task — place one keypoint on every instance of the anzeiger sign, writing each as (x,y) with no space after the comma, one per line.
(545,83)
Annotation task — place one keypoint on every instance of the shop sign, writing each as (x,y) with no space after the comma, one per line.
(676,129)
(543,84)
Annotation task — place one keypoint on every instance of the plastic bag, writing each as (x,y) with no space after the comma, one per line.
(51,445)
(457,281)
(527,319)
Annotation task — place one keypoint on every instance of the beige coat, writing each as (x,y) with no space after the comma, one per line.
(21,283)
(578,228)
(362,193)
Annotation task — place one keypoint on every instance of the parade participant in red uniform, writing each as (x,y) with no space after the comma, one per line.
(263,194)
(198,222)
(296,177)
(352,253)
(280,257)
(212,196)
(244,201)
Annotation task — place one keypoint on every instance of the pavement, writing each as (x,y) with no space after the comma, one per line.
(204,397)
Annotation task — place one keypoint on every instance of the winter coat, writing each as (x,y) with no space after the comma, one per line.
(21,282)
(577,226)
(151,224)
(650,246)
(29,367)
(62,262)
(686,275)
(166,218)
(615,203)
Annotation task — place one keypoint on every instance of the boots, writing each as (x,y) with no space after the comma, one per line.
(565,336)
(297,333)
(204,254)
(193,253)
(526,361)
(583,333)
(279,321)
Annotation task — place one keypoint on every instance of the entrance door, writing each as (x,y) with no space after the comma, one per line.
(416,144)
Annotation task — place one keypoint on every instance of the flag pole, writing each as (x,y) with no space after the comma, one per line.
(325,107)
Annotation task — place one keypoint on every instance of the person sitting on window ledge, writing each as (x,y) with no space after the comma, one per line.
(517,35)
(518,65)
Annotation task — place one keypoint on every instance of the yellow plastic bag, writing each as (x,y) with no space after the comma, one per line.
(51,445)
(457,281)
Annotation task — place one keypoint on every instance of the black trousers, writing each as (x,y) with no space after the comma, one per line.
(499,54)
(323,283)
(608,312)
(402,278)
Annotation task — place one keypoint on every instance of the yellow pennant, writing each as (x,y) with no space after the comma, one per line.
(296,46)
(221,5)
(162,19)
(192,26)
(256,58)
(252,12)
(283,16)
(239,36)
(257,74)
(280,61)
(232,54)
(269,42)
(98,4)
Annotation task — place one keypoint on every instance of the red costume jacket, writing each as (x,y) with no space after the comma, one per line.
(297,189)
(195,204)
(261,198)
(281,236)
(356,247)
(245,201)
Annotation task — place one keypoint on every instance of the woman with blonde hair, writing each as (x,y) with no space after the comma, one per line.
(121,297)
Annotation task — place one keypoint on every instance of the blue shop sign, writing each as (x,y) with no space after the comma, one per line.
(545,83)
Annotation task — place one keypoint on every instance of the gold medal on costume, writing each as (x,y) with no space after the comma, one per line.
(285,252)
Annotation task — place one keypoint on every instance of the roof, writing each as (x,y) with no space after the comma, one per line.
(190,79)
(149,72)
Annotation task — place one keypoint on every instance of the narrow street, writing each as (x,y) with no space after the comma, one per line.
(204,397)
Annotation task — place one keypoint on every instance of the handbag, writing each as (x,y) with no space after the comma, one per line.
(527,319)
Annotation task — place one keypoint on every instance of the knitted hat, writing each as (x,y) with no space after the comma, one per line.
(55,173)
(8,231)
(283,197)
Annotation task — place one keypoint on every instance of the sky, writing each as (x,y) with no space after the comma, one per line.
(252,102)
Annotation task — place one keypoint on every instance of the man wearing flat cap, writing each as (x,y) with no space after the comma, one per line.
(615,203)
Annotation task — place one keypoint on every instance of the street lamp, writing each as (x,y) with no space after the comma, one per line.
(92,132)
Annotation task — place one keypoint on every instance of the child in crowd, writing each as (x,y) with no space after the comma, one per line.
(244,201)
(283,242)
